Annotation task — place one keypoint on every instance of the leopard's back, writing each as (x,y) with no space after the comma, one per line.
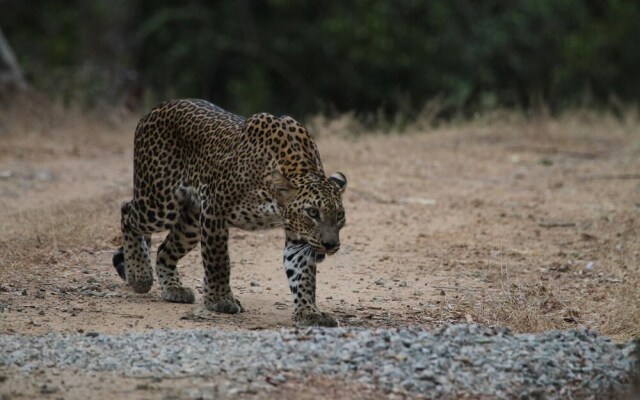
(177,142)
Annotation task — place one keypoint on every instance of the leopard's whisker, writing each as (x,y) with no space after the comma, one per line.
(296,249)
(309,253)
(297,245)
(344,246)
(344,250)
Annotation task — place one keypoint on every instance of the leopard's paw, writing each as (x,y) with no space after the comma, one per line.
(179,294)
(315,318)
(226,305)
(140,285)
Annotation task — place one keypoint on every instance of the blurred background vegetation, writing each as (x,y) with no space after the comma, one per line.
(301,58)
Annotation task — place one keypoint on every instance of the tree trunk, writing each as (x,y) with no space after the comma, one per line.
(10,73)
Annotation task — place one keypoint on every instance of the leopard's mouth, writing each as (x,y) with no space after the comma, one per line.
(332,251)
(319,252)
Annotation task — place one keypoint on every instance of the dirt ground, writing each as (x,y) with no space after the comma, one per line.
(527,223)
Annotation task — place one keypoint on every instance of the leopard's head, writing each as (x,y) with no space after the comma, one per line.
(311,207)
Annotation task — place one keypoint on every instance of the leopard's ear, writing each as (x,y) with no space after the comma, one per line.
(281,187)
(339,181)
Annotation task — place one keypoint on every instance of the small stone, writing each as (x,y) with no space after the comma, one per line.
(24,292)
(254,284)
(380,282)
(455,360)
(546,162)
(43,175)
(46,389)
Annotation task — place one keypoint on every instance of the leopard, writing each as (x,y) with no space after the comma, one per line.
(199,170)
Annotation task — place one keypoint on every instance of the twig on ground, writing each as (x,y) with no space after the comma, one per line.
(162,377)
(559,224)
(457,288)
(609,176)
(117,313)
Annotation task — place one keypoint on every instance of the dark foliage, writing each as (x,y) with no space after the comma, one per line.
(304,57)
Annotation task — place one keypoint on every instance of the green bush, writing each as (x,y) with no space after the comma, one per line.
(370,56)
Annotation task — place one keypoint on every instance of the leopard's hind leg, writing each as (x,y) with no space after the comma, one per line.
(183,237)
(132,260)
(118,259)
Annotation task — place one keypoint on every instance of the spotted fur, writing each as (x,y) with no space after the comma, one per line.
(199,170)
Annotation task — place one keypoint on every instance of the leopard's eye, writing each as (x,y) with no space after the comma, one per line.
(313,212)
(340,215)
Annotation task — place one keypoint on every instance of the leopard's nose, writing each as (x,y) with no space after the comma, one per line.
(330,245)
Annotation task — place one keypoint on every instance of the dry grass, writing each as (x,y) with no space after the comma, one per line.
(568,296)
(32,114)
(525,308)
(38,135)
(41,237)
(608,300)
(521,307)
(612,306)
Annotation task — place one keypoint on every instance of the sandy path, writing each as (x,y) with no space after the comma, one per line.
(436,223)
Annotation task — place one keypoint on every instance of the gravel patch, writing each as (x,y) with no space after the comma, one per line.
(451,361)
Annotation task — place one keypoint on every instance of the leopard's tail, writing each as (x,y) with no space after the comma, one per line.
(118,262)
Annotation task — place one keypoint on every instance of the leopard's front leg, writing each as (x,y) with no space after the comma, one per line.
(214,237)
(300,265)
